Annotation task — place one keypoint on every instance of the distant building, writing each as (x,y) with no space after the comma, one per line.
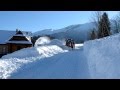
(11,41)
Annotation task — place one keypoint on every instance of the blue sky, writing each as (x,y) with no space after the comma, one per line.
(39,20)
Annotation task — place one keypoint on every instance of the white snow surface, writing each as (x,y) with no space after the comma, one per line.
(12,62)
(103,57)
(46,41)
(42,41)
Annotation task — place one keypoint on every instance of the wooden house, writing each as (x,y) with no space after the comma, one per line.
(14,41)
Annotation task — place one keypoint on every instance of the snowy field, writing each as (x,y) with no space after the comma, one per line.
(95,59)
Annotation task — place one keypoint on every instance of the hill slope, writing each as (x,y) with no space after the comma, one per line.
(78,32)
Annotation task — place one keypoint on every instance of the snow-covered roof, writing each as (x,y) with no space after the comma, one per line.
(5,35)
(20,42)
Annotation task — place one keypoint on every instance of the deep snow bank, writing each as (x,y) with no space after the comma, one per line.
(34,52)
(103,57)
(46,41)
(23,53)
(12,62)
(42,41)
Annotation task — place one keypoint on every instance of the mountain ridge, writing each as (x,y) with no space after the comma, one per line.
(78,32)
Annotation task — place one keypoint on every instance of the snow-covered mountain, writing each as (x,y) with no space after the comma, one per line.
(43,32)
(78,32)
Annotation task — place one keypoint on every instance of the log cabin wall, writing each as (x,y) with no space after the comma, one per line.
(3,49)
(15,47)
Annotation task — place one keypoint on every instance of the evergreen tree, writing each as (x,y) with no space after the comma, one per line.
(104,26)
(93,35)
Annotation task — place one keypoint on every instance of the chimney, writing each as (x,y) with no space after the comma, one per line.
(17,30)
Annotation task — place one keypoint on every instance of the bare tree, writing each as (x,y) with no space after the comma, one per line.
(116,23)
(118,16)
(96,17)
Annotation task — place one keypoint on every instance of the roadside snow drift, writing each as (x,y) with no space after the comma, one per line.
(46,41)
(12,62)
(42,41)
(103,57)
(67,65)
(47,62)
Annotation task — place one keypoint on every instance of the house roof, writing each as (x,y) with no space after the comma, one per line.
(19,32)
(5,36)
(19,42)
(18,38)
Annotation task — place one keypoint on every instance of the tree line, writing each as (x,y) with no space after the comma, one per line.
(103,25)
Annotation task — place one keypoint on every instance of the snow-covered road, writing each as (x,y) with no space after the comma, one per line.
(67,65)
(45,62)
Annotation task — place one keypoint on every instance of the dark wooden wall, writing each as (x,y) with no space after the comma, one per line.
(15,47)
